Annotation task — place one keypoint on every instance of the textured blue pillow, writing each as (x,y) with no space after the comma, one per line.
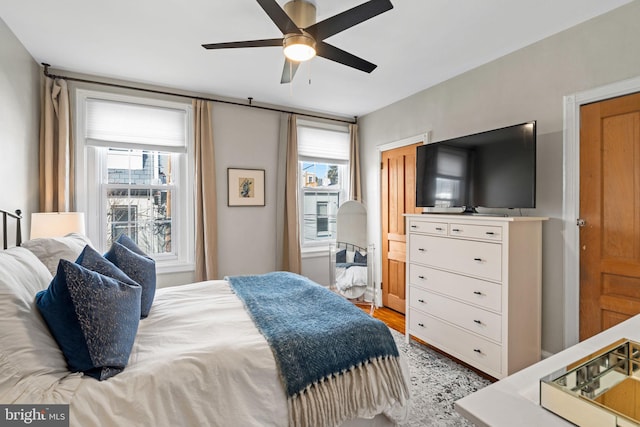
(341,256)
(126,255)
(90,259)
(359,258)
(126,241)
(94,319)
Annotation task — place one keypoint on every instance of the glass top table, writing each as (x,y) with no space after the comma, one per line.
(602,389)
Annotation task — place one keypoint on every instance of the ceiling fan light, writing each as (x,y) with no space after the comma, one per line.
(299,47)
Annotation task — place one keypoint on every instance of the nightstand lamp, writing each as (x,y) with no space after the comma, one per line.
(56,224)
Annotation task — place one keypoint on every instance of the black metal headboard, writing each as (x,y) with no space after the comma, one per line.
(350,246)
(18,216)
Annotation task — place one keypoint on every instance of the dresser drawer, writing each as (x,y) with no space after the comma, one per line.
(489,232)
(479,259)
(431,227)
(474,319)
(469,348)
(474,291)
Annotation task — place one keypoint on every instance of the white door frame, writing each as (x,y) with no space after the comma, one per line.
(571,198)
(423,137)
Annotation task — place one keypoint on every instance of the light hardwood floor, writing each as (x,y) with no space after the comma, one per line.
(391,318)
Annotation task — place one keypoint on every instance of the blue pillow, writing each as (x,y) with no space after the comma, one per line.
(126,241)
(341,256)
(93,318)
(359,258)
(90,259)
(128,257)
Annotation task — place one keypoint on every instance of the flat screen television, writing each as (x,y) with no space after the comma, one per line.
(493,169)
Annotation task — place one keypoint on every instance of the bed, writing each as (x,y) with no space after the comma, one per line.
(351,270)
(204,355)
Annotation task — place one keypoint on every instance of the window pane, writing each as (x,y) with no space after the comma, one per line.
(321,175)
(322,192)
(143,214)
(138,167)
(319,215)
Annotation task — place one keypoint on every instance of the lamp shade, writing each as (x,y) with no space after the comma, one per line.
(299,47)
(56,224)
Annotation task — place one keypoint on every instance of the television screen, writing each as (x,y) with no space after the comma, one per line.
(493,169)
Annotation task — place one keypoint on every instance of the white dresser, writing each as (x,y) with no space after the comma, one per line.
(474,288)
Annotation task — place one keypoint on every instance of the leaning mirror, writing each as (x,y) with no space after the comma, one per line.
(351,259)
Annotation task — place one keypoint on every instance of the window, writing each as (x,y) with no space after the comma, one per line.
(134,173)
(323,155)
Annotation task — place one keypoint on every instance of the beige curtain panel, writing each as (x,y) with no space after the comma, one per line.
(206,204)
(56,156)
(355,185)
(291,258)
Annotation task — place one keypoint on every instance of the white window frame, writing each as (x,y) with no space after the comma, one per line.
(90,198)
(322,245)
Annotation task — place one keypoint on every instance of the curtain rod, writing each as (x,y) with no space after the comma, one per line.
(221,101)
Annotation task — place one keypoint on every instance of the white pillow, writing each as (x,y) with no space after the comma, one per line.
(50,250)
(350,256)
(30,359)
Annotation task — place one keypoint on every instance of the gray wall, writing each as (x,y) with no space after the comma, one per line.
(247,235)
(528,84)
(19,123)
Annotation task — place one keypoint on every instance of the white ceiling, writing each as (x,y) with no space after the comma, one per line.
(417,44)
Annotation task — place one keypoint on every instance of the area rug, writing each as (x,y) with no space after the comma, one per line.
(436,383)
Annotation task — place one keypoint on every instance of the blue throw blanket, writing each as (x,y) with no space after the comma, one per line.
(314,333)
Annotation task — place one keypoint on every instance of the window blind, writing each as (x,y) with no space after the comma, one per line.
(315,144)
(128,125)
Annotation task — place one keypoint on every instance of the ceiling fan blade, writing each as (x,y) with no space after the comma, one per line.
(347,19)
(338,55)
(248,43)
(289,70)
(279,17)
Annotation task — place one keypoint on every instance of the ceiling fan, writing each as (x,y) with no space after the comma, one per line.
(303,37)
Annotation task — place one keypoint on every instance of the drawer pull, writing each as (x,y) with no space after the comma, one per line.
(439,229)
(421,325)
(477,292)
(479,322)
(490,233)
(478,259)
(421,300)
(414,226)
(477,350)
(422,249)
(456,230)
(421,277)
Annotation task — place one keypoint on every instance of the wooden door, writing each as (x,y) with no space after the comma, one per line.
(398,188)
(610,207)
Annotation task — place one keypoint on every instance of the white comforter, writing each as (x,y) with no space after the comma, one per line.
(353,276)
(198,360)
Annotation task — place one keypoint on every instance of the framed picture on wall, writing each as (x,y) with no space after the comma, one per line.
(245,187)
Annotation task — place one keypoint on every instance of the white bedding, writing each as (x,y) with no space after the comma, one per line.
(354,276)
(198,360)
